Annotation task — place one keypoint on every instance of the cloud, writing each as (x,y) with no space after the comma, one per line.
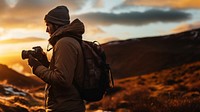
(2,4)
(91,30)
(23,22)
(15,49)
(175,4)
(11,3)
(41,4)
(98,3)
(24,40)
(1,31)
(135,18)
(185,27)
(30,13)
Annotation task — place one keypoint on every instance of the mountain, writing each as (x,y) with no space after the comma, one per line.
(14,78)
(146,55)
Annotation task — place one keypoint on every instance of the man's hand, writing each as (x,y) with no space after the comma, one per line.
(44,59)
(33,61)
(41,56)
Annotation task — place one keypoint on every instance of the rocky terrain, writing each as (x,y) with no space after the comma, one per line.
(13,99)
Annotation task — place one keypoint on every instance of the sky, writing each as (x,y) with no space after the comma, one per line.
(22,23)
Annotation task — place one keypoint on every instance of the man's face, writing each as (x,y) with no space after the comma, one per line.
(50,28)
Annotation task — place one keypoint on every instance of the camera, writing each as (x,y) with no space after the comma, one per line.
(36,52)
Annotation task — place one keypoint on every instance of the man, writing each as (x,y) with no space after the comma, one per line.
(66,66)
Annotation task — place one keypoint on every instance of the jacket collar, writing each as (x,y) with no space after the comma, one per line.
(74,29)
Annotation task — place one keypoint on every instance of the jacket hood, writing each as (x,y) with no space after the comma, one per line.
(75,29)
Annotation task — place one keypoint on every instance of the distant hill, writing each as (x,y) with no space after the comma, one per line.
(14,78)
(135,56)
(146,55)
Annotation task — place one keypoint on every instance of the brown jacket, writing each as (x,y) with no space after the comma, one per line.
(66,65)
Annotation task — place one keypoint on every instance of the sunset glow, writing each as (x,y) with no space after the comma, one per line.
(151,53)
(22,23)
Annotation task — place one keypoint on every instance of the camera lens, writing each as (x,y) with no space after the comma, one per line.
(24,54)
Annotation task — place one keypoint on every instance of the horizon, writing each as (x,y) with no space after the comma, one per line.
(19,65)
(22,23)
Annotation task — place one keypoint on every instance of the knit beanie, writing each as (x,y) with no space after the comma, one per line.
(58,15)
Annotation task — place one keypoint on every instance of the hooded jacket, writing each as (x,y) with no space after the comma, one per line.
(65,66)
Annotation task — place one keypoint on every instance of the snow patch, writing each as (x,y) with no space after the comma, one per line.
(10,90)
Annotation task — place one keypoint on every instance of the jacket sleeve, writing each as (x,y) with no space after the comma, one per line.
(65,63)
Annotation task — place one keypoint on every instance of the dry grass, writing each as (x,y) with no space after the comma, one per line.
(172,90)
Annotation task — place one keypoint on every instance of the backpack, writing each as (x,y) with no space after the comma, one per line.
(97,79)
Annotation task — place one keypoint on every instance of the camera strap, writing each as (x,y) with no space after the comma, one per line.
(49,49)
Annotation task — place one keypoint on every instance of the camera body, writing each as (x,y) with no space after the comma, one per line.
(36,52)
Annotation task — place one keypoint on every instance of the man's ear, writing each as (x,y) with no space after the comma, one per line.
(56,26)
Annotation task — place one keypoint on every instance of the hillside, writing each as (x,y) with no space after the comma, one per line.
(12,77)
(145,55)
(154,74)
(170,90)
